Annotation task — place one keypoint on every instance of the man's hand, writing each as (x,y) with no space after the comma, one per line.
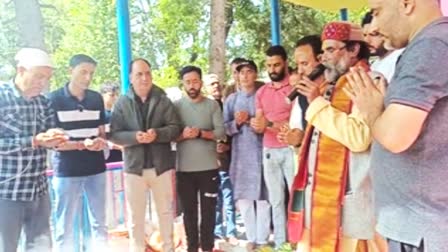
(222,147)
(259,122)
(70,145)
(367,94)
(290,136)
(146,137)
(308,88)
(241,117)
(50,139)
(96,144)
(294,137)
(141,137)
(277,126)
(281,135)
(190,132)
(152,135)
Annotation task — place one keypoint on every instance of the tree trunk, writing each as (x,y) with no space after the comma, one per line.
(217,57)
(30,24)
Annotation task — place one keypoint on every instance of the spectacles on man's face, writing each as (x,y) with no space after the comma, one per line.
(332,50)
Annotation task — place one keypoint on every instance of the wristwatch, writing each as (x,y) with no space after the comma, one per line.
(200,134)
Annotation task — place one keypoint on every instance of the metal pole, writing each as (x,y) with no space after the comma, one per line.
(124,42)
(344,14)
(275,22)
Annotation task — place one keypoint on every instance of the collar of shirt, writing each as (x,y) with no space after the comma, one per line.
(140,101)
(284,82)
(15,90)
(70,95)
(247,94)
(67,91)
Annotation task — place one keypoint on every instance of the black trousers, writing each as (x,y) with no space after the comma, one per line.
(395,246)
(189,184)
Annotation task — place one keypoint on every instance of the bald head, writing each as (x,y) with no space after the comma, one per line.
(398,21)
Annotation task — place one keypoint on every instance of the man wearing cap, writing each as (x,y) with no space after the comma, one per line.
(246,169)
(225,203)
(27,128)
(272,113)
(79,165)
(232,85)
(331,208)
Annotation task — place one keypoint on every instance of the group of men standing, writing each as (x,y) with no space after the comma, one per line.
(369,137)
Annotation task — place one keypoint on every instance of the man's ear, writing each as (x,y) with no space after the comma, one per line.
(354,49)
(407,6)
(20,70)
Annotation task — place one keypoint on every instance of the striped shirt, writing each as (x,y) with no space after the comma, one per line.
(80,120)
(22,168)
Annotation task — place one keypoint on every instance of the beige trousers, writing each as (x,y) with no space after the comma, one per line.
(162,188)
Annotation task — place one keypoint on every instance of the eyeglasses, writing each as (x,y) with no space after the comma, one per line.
(331,50)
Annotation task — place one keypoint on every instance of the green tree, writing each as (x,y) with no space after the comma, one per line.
(169,33)
(251,34)
(88,27)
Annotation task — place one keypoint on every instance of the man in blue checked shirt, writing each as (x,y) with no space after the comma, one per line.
(26,130)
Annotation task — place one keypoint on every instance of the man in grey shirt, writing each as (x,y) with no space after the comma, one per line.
(409,157)
(196,163)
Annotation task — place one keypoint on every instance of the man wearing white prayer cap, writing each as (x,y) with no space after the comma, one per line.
(26,131)
(34,69)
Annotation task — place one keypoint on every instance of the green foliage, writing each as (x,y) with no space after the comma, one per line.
(169,33)
(8,40)
(251,34)
(178,35)
(88,27)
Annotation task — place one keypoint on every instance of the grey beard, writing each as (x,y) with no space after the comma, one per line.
(331,75)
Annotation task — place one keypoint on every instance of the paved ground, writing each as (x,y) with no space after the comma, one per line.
(120,243)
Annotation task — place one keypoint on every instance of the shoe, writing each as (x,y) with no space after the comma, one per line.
(264,248)
(218,237)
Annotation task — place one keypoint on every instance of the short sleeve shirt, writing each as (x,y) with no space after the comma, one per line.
(411,187)
(80,120)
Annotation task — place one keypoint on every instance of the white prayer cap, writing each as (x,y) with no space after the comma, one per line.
(32,57)
(210,79)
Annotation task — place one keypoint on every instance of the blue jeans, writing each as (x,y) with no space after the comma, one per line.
(395,246)
(31,217)
(226,203)
(278,171)
(69,192)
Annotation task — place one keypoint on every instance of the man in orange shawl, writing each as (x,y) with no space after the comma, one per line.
(331,205)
